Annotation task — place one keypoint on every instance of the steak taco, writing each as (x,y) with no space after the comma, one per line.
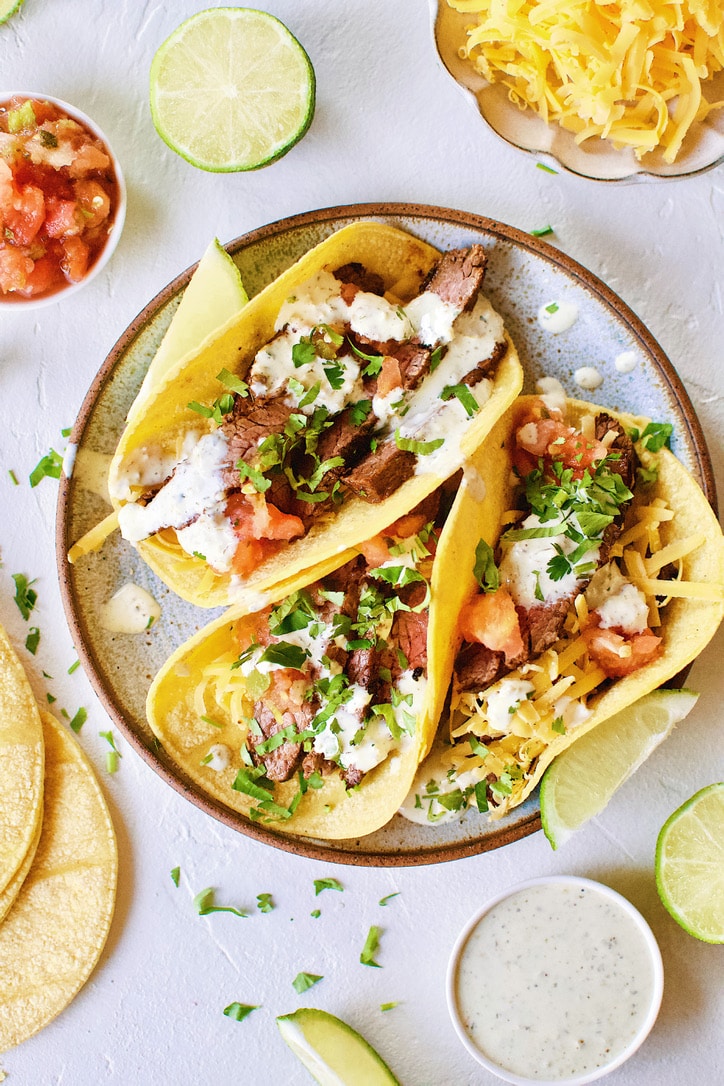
(313,713)
(596,573)
(339,398)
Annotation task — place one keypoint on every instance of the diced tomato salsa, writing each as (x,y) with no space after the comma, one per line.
(58,199)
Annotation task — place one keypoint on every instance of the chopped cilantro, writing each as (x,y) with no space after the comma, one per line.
(372,942)
(552,308)
(264,903)
(213,723)
(485,569)
(542,232)
(112,761)
(233,383)
(326,884)
(359,411)
(50,699)
(204,904)
(389,1006)
(303,353)
(464,395)
(240,1011)
(419,448)
(49,465)
(13,477)
(175,875)
(547,169)
(25,596)
(388,897)
(286,655)
(303,981)
(647,475)
(538,592)
(74,667)
(316,913)
(435,359)
(656,435)
(32,640)
(559,726)
(200,556)
(79,720)
(254,476)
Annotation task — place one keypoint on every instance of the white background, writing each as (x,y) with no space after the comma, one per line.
(389,125)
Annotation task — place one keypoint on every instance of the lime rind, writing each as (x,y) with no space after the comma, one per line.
(8,8)
(217,114)
(689,864)
(580,782)
(332,1051)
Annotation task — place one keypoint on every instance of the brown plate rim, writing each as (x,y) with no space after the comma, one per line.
(285,842)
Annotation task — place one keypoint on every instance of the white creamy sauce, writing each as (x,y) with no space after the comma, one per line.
(554,981)
(572,713)
(219,758)
(274,366)
(626,361)
(212,536)
(557,317)
(432,318)
(588,377)
(69,459)
(131,610)
(503,700)
(149,466)
(552,393)
(524,567)
(435,778)
(627,610)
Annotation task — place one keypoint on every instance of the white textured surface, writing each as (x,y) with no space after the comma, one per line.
(390,124)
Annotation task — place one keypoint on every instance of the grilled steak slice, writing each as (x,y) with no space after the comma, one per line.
(381,473)
(477,667)
(357,275)
(347,439)
(627,462)
(281,763)
(458,276)
(544,624)
(353,776)
(313,762)
(484,367)
(251,420)
(414,362)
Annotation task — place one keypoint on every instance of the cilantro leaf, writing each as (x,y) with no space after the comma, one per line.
(372,943)
(264,903)
(485,569)
(204,904)
(240,1011)
(79,720)
(303,981)
(464,395)
(419,448)
(175,875)
(32,640)
(359,411)
(233,383)
(254,476)
(327,884)
(388,897)
(25,596)
(49,466)
(656,435)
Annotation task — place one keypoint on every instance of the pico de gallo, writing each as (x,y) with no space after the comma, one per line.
(59,196)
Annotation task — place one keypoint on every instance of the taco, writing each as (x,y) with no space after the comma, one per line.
(595,573)
(313,713)
(338,399)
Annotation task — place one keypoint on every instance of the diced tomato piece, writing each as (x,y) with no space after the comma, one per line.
(249,555)
(621,654)
(390,376)
(88,157)
(93,201)
(550,439)
(75,259)
(407,526)
(15,268)
(25,217)
(260,527)
(375,551)
(62,218)
(492,620)
(44,276)
(281,525)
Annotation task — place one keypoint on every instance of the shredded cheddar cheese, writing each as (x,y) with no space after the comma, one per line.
(630,72)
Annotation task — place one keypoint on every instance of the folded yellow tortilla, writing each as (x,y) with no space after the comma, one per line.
(200,699)
(668,522)
(161,420)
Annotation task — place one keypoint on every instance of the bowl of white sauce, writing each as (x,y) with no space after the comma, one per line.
(557,981)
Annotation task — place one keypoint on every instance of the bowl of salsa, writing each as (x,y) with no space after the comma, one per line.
(62,199)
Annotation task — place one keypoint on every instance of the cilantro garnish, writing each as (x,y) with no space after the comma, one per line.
(264,903)
(246,783)
(389,1006)
(546,169)
(388,897)
(374,361)
(13,477)
(485,569)
(372,943)
(79,720)
(656,435)
(303,981)
(335,375)
(419,448)
(49,465)
(175,875)
(254,476)
(542,232)
(204,904)
(240,1011)
(32,640)
(359,411)
(559,726)
(25,596)
(552,308)
(327,884)
(316,913)
(646,476)
(74,667)
(220,407)
(464,395)
(233,383)
(303,353)
(435,359)
(292,656)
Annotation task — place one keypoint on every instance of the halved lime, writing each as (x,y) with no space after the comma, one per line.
(215,294)
(8,8)
(690,864)
(333,1052)
(231,89)
(582,779)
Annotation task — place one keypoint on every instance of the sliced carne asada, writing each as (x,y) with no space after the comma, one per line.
(251,421)
(477,667)
(280,763)
(357,275)
(381,472)
(458,276)
(485,365)
(627,462)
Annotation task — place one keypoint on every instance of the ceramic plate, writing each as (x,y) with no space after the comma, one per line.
(523,275)
(598,160)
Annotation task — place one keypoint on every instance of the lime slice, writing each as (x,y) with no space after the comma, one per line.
(690,864)
(582,779)
(213,296)
(334,1053)
(231,89)
(8,8)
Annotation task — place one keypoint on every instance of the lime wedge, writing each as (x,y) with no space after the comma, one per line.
(582,779)
(8,8)
(231,89)
(333,1053)
(215,294)
(690,864)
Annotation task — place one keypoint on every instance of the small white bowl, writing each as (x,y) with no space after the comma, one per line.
(18,302)
(526,947)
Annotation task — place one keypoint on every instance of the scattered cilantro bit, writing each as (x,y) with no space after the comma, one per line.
(647,475)
(79,720)
(240,1011)
(204,904)
(388,897)
(372,942)
(303,981)
(264,903)
(303,353)
(49,465)
(233,383)
(112,761)
(464,395)
(316,913)
(538,593)
(220,407)
(74,667)
(50,698)
(359,411)
(326,884)
(542,232)
(292,656)
(175,875)
(542,166)
(419,448)
(32,640)
(559,726)
(13,477)
(25,596)
(485,569)
(656,435)
(552,308)
(66,431)
(435,359)
(254,476)
(389,1006)
(213,723)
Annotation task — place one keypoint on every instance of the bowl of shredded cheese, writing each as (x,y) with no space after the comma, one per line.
(631,90)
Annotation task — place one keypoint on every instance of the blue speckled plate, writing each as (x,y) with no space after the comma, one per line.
(523,274)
